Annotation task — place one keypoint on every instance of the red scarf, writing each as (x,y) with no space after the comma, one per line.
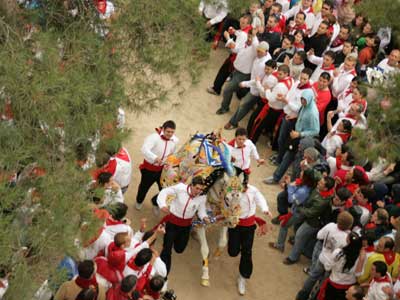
(232,143)
(92,240)
(307,85)
(87,283)
(330,68)
(287,81)
(366,205)
(161,134)
(344,136)
(101,6)
(382,279)
(110,222)
(390,256)
(298,45)
(326,194)
(370,249)
(116,257)
(131,264)
(337,42)
(115,293)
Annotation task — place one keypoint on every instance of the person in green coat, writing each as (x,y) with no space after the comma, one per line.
(317,206)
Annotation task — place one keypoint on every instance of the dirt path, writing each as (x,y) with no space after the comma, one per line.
(271,279)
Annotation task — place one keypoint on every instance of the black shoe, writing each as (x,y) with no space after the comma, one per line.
(275,221)
(221,111)
(273,156)
(288,261)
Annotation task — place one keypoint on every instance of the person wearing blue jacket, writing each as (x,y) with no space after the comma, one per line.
(297,195)
(307,125)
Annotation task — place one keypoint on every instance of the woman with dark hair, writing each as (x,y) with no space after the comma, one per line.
(297,194)
(342,266)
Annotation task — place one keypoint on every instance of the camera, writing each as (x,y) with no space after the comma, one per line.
(169,295)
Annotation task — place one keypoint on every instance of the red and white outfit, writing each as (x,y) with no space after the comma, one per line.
(120,166)
(178,223)
(342,81)
(320,68)
(243,154)
(282,88)
(3,287)
(147,271)
(333,238)
(310,17)
(112,227)
(375,291)
(97,245)
(334,140)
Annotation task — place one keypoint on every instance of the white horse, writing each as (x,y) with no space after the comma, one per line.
(208,156)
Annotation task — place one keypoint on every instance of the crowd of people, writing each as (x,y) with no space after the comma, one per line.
(298,67)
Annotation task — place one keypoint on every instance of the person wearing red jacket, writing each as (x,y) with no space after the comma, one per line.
(124,291)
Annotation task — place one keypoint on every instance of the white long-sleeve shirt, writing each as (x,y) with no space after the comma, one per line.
(270,95)
(375,290)
(319,69)
(245,57)
(100,244)
(333,238)
(310,17)
(268,82)
(183,206)
(249,202)
(243,155)
(240,43)
(215,12)
(156,147)
(342,81)
(334,263)
(294,101)
(257,70)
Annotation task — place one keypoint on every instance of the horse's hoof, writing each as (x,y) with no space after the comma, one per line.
(205,282)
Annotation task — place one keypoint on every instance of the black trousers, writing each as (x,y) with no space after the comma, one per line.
(240,240)
(147,180)
(268,123)
(240,171)
(223,73)
(177,237)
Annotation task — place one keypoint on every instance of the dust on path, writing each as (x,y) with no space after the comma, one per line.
(271,279)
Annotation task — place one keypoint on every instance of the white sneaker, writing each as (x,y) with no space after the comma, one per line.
(138,205)
(241,285)
(156,210)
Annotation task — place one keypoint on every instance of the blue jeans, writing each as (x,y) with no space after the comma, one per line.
(246,104)
(316,272)
(303,235)
(231,87)
(284,165)
(283,230)
(284,134)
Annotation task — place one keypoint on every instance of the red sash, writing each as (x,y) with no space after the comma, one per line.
(247,222)
(322,291)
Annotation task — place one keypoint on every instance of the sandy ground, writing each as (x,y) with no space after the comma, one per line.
(271,279)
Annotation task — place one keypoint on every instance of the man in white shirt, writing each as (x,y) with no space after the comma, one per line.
(324,64)
(240,238)
(344,75)
(242,149)
(391,63)
(188,201)
(243,65)
(155,150)
(215,12)
(268,116)
(326,9)
(252,96)
(306,7)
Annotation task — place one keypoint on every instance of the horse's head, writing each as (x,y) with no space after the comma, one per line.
(232,189)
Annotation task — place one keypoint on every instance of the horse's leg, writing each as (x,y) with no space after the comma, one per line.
(201,231)
(222,240)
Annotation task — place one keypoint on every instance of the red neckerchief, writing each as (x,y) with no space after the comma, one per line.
(361,101)
(330,68)
(247,28)
(92,240)
(348,92)
(326,194)
(344,136)
(189,193)
(86,283)
(307,85)
(382,279)
(131,264)
(233,144)
(110,222)
(369,249)
(370,225)
(352,187)
(367,206)
(160,133)
(2,285)
(337,42)
(101,6)
(298,181)
(349,203)
(287,81)
(389,257)
(298,45)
